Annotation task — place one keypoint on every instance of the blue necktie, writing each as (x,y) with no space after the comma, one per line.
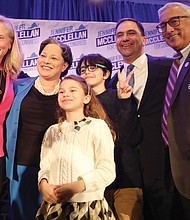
(129,69)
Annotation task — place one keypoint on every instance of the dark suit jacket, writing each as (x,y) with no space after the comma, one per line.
(152,149)
(179,131)
(123,114)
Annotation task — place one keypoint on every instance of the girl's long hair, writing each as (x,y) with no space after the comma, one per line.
(93,109)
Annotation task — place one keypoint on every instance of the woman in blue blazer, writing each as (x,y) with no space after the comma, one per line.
(32,112)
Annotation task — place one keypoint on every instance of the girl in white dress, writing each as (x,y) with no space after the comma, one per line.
(77,160)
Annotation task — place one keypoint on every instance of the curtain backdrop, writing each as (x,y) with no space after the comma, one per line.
(83,10)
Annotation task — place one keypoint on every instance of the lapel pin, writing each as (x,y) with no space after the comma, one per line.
(187,64)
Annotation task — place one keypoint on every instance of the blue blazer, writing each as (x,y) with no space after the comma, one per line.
(21,89)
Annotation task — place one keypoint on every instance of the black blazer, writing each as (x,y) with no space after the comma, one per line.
(123,114)
(151,148)
(179,130)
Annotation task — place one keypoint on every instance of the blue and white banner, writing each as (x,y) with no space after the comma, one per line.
(83,38)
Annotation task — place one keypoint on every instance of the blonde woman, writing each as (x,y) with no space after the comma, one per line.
(11,59)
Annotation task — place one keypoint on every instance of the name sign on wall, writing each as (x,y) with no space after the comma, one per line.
(83,38)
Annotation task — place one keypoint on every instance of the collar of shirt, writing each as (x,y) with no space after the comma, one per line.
(185,53)
(140,76)
(138,63)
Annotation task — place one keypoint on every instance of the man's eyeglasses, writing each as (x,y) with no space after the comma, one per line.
(90,68)
(173,22)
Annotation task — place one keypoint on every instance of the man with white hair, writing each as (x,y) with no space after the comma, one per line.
(175,27)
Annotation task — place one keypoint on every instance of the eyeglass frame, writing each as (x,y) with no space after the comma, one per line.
(164,24)
(97,65)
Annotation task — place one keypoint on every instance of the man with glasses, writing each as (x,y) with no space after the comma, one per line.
(173,22)
(150,78)
(175,28)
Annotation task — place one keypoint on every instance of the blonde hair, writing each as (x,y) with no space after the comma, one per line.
(93,109)
(13,60)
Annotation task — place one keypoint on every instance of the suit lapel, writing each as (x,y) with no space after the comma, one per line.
(181,77)
(24,84)
(151,80)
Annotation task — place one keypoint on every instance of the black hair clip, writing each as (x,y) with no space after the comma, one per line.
(76,127)
(76,124)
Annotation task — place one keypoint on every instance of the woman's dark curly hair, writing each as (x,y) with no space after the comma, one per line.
(66,52)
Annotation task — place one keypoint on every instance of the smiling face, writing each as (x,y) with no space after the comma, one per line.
(176,37)
(50,63)
(129,41)
(5,40)
(96,78)
(71,96)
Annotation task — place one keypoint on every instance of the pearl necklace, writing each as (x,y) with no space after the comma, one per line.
(39,87)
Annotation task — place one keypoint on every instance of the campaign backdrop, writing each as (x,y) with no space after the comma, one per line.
(83,38)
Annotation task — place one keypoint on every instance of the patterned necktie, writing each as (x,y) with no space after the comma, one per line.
(129,69)
(168,95)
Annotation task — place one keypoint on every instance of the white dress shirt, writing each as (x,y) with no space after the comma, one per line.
(140,76)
